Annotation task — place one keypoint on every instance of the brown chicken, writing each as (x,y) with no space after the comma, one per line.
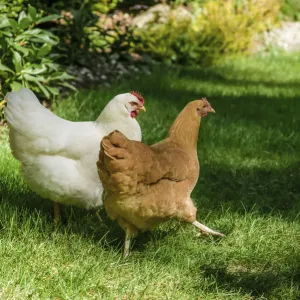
(147,185)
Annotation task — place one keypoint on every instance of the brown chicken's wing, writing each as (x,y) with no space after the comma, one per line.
(124,164)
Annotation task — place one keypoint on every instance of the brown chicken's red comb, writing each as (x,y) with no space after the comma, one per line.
(205,101)
(139,96)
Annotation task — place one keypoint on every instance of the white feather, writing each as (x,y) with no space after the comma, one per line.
(58,157)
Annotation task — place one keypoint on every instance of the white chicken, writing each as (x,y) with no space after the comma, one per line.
(58,157)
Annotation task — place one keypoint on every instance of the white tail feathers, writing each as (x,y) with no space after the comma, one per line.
(21,107)
(22,98)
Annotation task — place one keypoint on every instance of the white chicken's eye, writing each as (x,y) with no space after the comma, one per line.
(133,103)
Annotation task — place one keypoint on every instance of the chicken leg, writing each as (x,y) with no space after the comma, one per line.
(130,232)
(206,229)
(126,244)
(57,216)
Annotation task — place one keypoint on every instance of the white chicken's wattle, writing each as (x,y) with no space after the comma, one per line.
(58,157)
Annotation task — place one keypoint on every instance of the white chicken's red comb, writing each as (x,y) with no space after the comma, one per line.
(139,96)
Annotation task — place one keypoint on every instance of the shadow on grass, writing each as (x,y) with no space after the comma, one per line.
(262,283)
(219,187)
(215,75)
(103,231)
(269,190)
(266,111)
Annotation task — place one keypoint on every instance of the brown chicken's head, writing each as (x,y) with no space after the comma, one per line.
(202,107)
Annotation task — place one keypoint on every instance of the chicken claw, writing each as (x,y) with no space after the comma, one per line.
(205,229)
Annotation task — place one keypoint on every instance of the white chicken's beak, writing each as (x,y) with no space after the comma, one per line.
(143,108)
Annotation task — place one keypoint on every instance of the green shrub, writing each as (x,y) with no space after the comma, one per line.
(27,57)
(167,42)
(291,9)
(102,6)
(217,28)
(78,29)
(11,8)
(229,27)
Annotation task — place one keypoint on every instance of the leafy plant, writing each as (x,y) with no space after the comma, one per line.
(27,57)
(78,28)
(291,9)
(216,28)
(11,8)
(101,6)
(229,27)
(104,6)
(113,34)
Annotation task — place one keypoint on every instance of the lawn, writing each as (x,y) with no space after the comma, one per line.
(249,189)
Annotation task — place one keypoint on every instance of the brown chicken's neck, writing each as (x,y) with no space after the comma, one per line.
(185,129)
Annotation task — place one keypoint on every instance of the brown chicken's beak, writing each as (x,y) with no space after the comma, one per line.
(143,108)
(211,110)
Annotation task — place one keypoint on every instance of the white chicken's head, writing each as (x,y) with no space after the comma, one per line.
(128,104)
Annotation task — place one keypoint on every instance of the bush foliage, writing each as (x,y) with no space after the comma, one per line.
(291,9)
(27,58)
(82,31)
(39,39)
(217,28)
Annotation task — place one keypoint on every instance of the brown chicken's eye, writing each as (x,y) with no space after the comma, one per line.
(198,109)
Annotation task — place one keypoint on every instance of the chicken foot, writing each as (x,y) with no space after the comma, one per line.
(205,229)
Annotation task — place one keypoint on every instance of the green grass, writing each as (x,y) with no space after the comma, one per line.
(249,189)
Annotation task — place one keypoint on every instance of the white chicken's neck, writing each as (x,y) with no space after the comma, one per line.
(111,114)
(111,119)
(111,122)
